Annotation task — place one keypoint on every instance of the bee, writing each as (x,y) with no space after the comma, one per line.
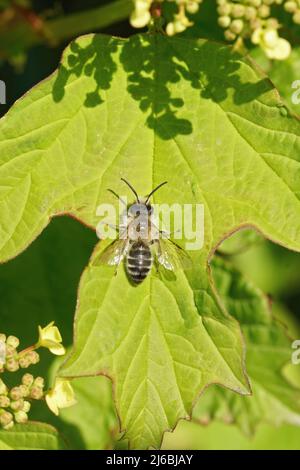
(141,244)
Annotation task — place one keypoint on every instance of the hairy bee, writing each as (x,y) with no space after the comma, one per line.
(141,244)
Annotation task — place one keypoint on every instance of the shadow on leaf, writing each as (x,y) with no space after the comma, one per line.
(154,64)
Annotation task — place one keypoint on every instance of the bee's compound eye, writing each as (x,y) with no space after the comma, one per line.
(149,209)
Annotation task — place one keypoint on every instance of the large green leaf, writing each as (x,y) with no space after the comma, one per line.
(31,436)
(275,400)
(139,108)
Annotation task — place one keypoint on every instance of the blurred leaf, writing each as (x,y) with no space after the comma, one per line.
(219,436)
(283,74)
(31,436)
(274,399)
(18,35)
(272,268)
(94,414)
(44,286)
(136,108)
(93,418)
(39,286)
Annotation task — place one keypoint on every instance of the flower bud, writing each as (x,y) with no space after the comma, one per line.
(264,11)
(255,3)
(296,17)
(237,26)
(238,11)
(250,13)
(33,357)
(229,35)
(39,382)
(17,405)
(5,418)
(36,393)
(224,9)
(13,341)
(290,7)
(21,417)
(224,21)
(9,426)
(192,7)
(26,406)
(3,388)
(24,362)
(10,351)
(27,379)
(12,365)
(4,401)
(272,23)
(15,393)
(140,20)
(24,390)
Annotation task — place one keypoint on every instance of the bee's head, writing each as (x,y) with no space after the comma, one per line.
(140,209)
(141,206)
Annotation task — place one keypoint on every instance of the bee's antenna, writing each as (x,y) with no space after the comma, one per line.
(117,196)
(154,190)
(132,189)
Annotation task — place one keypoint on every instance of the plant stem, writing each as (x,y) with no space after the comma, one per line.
(26,350)
(90,20)
(55,31)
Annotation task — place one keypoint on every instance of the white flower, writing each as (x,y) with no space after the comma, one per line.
(274,46)
(50,338)
(60,396)
(141,16)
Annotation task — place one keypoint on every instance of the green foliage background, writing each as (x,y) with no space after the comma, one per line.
(41,285)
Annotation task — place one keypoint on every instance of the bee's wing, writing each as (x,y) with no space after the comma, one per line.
(172,256)
(113,254)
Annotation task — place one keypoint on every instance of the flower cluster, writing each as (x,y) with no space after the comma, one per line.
(141,15)
(143,9)
(15,402)
(10,359)
(252,19)
(293,6)
(241,19)
(181,21)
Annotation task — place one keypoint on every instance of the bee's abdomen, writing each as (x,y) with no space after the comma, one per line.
(139,262)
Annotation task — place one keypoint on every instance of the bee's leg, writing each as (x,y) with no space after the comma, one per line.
(115,227)
(156,265)
(168,234)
